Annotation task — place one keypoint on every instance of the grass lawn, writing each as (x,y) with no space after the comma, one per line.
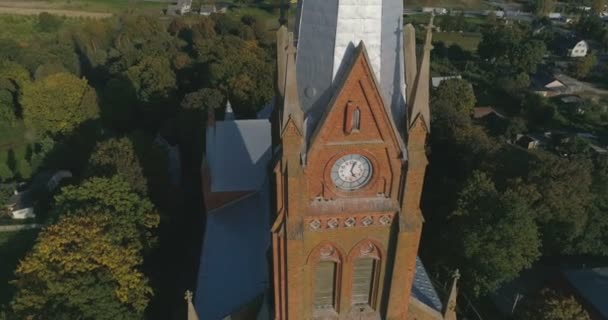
(466,40)
(456,4)
(13,247)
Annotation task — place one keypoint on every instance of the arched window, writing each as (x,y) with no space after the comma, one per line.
(356,120)
(365,275)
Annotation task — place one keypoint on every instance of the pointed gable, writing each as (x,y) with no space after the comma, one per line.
(357,96)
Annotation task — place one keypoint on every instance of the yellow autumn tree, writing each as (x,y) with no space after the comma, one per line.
(58,103)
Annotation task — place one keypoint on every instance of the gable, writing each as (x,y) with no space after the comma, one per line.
(357,94)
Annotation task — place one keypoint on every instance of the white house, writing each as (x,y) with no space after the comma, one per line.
(577,48)
(436,81)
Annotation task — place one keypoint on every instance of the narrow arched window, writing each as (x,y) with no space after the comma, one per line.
(325,285)
(364,270)
(356,120)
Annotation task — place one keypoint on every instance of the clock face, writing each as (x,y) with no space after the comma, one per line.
(351,172)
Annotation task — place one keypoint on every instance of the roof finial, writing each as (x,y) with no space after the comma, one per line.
(450,307)
(191,311)
(411,65)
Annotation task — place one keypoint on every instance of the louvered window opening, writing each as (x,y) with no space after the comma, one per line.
(363,280)
(325,285)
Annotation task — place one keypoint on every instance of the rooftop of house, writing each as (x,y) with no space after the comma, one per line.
(237,154)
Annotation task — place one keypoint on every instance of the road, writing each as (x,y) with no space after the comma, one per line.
(514,15)
(59,12)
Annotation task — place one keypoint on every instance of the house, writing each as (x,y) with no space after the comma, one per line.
(547,85)
(207,10)
(483,112)
(21,204)
(436,81)
(533,141)
(575,47)
(180,7)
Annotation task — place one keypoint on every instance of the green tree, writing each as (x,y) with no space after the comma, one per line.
(203,99)
(58,103)
(152,78)
(133,216)
(7,108)
(48,22)
(544,7)
(495,233)
(511,48)
(457,93)
(549,304)
(582,66)
(117,157)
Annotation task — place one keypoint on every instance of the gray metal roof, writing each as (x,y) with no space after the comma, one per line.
(238,153)
(327,28)
(423,289)
(233,266)
(592,285)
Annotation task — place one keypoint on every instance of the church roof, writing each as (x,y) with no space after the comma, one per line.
(238,152)
(423,289)
(233,268)
(343,24)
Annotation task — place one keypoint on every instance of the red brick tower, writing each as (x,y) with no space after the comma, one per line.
(346,236)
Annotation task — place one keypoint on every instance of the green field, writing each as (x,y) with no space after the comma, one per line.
(456,4)
(13,247)
(467,41)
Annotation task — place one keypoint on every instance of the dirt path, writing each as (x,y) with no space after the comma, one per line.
(10,8)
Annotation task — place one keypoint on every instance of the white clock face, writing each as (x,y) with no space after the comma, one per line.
(351,172)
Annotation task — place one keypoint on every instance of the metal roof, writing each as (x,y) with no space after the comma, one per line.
(328,32)
(238,153)
(423,289)
(591,285)
(233,268)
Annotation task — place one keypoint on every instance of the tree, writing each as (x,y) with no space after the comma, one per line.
(549,304)
(117,157)
(598,6)
(582,66)
(457,93)
(544,7)
(152,78)
(495,233)
(71,266)
(58,103)
(87,264)
(133,216)
(48,22)
(203,99)
(511,48)
(7,108)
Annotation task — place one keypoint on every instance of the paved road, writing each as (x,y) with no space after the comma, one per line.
(59,12)
(509,15)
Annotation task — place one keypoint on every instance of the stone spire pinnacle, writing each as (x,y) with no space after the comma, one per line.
(282,39)
(229,114)
(191,311)
(411,66)
(450,307)
(420,102)
(291,100)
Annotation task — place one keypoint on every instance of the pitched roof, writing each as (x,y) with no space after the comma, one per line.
(423,289)
(233,268)
(591,285)
(238,153)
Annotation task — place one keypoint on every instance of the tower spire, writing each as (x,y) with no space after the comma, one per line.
(291,100)
(191,311)
(411,67)
(420,103)
(282,39)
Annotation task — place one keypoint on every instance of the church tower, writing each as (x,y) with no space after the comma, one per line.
(350,165)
